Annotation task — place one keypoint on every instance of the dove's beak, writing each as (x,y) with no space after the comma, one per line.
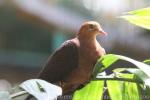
(103,32)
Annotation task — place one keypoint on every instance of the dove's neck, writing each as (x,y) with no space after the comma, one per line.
(88,40)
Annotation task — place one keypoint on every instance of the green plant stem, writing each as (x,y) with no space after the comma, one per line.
(119,79)
(18,94)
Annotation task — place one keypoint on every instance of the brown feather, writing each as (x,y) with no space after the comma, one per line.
(61,63)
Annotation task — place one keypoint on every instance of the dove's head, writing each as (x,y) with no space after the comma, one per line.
(90,29)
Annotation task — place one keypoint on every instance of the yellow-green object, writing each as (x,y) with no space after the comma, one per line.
(121,90)
(139,17)
(92,91)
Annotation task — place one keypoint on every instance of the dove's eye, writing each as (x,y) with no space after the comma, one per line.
(91,26)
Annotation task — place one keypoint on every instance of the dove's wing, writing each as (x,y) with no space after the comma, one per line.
(61,63)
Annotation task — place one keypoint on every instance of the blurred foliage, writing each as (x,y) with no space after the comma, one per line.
(18,34)
(139,17)
(76,6)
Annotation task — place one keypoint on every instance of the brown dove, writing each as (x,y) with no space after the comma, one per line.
(71,65)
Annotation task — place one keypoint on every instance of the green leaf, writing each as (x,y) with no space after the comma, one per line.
(125,75)
(115,89)
(147,61)
(107,60)
(142,78)
(142,21)
(141,12)
(139,17)
(125,90)
(92,91)
(136,73)
(103,63)
(119,70)
(41,89)
(145,79)
(132,91)
(144,67)
(120,90)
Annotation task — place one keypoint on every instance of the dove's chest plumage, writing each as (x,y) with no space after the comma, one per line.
(87,57)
